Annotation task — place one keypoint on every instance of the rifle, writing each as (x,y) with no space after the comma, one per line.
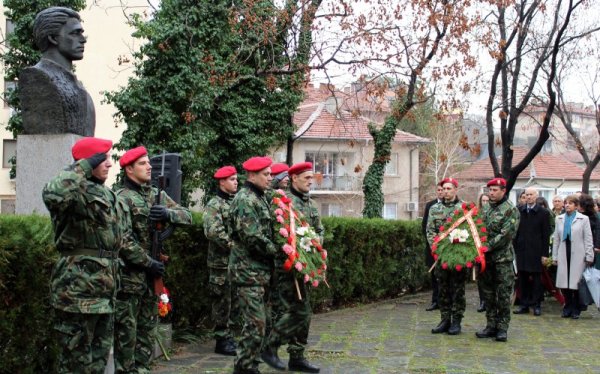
(159,233)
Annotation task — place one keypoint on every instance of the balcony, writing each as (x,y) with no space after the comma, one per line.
(336,183)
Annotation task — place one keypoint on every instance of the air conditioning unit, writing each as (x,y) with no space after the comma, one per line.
(413,206)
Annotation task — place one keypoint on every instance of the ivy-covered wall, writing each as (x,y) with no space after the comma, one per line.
(368,259)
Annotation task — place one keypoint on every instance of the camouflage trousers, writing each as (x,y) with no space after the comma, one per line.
(85,340)
(225,305)
(451,294)
(497,283)
(291,317)
(135,323)
(253,312)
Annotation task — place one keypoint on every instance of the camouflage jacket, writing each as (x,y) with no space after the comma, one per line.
(251,260)
(139,199)
(217,230)
(90,227)
(438,214)
(501,221)
(305,205)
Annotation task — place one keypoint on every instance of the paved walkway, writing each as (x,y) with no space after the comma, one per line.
(395,337)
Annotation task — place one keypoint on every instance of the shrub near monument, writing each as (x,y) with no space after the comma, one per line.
(369,259)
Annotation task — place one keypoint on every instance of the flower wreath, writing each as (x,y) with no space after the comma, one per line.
(299,241)
(460,241)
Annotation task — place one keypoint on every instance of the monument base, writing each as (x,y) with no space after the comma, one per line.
(39,159)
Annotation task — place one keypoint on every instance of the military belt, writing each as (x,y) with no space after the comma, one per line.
(90,252)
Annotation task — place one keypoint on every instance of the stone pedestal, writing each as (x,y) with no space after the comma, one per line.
(39,159)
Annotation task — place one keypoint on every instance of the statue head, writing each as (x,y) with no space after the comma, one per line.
(59,28)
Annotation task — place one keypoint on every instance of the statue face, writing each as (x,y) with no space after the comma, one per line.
(70,40)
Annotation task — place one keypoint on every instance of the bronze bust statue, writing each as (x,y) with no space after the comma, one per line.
(53,101)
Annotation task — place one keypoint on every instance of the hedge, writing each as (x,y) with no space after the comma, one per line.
(368,259)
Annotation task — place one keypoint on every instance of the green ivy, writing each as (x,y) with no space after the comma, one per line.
(202,87)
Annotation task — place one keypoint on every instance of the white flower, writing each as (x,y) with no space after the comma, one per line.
(302,230)
(262,100)
(164,298)
(458,234)
(278,90)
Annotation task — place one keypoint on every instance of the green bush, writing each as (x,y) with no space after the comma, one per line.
(368,259)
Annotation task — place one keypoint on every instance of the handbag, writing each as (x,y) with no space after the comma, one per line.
(592,279)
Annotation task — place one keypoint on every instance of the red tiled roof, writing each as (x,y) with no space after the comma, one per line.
(546,166)
(314,121)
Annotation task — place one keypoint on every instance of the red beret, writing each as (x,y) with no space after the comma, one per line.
(225,172)
(87,147)
(497,182)
(449,180)
(257,163)
(300,168)
(279,168)
(132,155)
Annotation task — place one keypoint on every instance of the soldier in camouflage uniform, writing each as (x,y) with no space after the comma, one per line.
(136,305)
(251,259)
(451,298)
(501,219)
(281,179)
(293,324)
(90,226)
(216,229)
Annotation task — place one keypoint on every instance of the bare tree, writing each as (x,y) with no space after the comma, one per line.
(523,36)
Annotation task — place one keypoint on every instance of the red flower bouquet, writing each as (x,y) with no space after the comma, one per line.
(461,241)
(298,241)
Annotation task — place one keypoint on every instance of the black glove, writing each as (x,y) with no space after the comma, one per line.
(159,213)
(156,269)
(96,159)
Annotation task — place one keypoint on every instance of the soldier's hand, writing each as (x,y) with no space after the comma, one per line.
(96,159)
(159,213)
(156,269)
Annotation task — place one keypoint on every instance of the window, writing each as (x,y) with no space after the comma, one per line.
(331,210)
(323,162)
(391,168)
(390,210)
(9,150)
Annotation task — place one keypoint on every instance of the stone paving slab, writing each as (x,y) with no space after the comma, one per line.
(394,336)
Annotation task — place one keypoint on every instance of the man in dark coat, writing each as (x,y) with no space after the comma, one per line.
(428,257)
(531,244)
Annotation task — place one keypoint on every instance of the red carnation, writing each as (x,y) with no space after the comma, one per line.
(455,240)
(464,205)
(469,264)
(434,247)
(436,239)
(441,228)
(483,229)
(471,206)
(286,200)
(479,221)
(287,265)
(484,238)
(484,249)
(435,257)
(456,211)
(478,259)
(323,255)
(445,265)
(449,219)
(458,267)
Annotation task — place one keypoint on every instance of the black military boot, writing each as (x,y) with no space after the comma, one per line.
(270,357)
(488,332)
(481,308)
(501,336)
(238,370)
(443,326)
(301,364)
(225,347)
(454,327)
